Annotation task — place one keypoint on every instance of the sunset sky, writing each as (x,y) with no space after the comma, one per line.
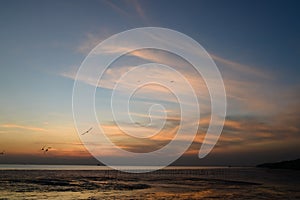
(255,44)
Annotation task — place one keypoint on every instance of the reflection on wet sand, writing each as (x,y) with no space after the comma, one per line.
(226,183)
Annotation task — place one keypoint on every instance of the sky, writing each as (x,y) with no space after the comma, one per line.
(255,45)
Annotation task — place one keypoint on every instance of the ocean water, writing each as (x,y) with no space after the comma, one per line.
(97,182)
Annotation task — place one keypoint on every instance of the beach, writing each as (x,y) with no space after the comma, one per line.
(96,182)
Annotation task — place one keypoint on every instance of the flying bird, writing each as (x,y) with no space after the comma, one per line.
(87,131)
(47,149)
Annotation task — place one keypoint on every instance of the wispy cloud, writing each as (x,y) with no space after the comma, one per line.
(250,133)
(134,144)
(250,96)
(117,8)
(29,128)
(242,68)
(91,40)
(140,11)
(161,87)
(134,10)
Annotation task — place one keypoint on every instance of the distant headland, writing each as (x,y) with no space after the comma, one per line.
(291,164)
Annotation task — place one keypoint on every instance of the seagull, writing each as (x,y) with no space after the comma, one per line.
(87,131)
(47,149)
(2,153)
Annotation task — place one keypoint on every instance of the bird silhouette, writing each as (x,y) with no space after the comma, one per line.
(2,153)
(47,149)
(87,131)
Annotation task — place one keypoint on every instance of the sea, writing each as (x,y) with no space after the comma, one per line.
(100,182)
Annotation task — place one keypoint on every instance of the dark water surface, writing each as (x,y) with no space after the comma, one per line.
(32,182)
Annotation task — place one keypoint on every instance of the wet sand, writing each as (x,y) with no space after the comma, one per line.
(219,183)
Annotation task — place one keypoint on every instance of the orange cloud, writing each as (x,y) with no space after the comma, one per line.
(134,144)
(252,133)
(30,128)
